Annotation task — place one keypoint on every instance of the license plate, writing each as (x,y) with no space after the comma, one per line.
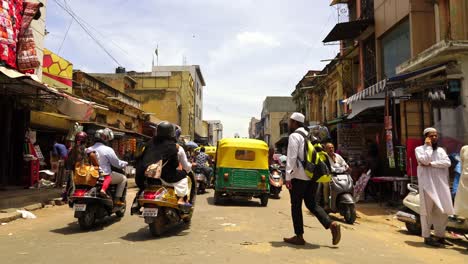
(342,177)
(150,212)
(79,207)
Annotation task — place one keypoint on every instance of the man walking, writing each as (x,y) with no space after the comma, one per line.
(301,187)
(434,190)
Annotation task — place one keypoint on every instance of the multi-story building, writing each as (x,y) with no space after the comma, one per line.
(173,93)
(273,111)
(122,112)
(252,127)
(408,63)
(215,132)
(302,94)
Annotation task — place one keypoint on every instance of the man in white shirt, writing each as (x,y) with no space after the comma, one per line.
(301,187)
(434,190)
(336,162)
(107,158)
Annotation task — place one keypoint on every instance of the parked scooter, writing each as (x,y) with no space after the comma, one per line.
(276,180)
(340,195)
(410,214)
(160,209)
(90,206)
(201,180)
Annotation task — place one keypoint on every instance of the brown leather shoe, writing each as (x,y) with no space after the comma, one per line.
(295,240)
(335,229)
(118,202)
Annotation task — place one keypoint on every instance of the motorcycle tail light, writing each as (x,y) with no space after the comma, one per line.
(79,193)
(149,195)
(263,178)
(226,176)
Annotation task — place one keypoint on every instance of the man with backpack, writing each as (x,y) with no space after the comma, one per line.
(301,183)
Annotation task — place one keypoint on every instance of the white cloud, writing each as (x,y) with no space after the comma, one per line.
(247,49)
(257,38)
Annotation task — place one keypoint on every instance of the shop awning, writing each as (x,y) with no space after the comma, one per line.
(117,131)
(361,106)
(25,85)
(370,91)
(347,30)
(379,87)
(283,141)
(335,2)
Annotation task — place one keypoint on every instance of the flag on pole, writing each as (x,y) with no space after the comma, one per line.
(156,51)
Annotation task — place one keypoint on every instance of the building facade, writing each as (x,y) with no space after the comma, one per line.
(253,127)
(173,93)
(215,132)
(408,71)
(273,111)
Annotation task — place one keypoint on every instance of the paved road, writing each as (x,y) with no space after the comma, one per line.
(236,233)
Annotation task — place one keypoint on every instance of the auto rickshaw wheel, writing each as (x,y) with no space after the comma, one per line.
(264,199)
(217,198)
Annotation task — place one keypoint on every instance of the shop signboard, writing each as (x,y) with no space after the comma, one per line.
(390,152)
(57,72)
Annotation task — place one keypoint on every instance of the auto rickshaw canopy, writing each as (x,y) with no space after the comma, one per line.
(210,150)
(242,153)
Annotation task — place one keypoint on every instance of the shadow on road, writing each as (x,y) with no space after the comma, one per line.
(279,244)
(143,234)
(238,203)
(458,245)
(74,228)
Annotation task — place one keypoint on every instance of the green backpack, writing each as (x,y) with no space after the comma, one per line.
(314,162)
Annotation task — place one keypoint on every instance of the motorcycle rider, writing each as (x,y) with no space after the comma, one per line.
(201,160)
(77,154)
(107,158)
(163,147)
(335,161)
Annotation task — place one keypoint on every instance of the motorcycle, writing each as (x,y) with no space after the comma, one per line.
(410,214)
(89,205)
(201,180)
(276,181)
(341,195)
(160,209)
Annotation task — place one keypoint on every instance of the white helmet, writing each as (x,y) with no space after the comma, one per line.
(104,135)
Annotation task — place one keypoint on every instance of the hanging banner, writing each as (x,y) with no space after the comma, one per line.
(390,152)
(57,71)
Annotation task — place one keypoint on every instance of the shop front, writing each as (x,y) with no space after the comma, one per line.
(127,144)
(20,96)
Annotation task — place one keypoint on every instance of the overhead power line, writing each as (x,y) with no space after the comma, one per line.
(81,22)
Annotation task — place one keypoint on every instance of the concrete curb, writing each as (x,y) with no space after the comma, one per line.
(9,217)
(11,214)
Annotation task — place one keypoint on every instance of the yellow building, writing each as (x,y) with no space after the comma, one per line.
(173,93)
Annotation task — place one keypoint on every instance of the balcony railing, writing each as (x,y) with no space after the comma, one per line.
(367,9)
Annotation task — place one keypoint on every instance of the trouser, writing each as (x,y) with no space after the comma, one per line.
(435,217)
(181,187)
(208,171)
(121,181)
(70,188)
(326,194)
(305,190)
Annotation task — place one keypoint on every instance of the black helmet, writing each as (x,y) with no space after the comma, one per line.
(165,129)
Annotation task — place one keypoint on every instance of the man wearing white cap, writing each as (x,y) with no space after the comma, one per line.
(301,187)
(434,190)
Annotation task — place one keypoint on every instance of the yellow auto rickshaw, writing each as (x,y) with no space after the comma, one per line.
(241,170)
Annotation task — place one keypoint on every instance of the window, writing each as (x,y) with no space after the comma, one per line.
(396,48)
(247,155)
(101,119)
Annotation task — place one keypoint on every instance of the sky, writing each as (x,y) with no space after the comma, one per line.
(247,49)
